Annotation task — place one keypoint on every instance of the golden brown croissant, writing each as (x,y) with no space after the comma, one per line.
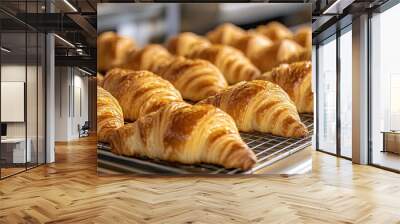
(139,92)
(295,79)
(226,33)
(275,31)
(285,51)
(260,106)
(100,79)
(109,115)
(195,79)
(187,134)
(230,61)
(303,36)
(112,50)
(261,51)
(248,42)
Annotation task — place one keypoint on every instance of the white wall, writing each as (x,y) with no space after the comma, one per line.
(70,83)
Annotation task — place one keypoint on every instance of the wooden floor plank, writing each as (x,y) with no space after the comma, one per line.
(69,191)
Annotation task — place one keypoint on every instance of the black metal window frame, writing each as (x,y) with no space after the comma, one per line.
(44,77)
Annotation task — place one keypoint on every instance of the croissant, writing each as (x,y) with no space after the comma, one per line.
(180,132)
(195,79)
(260,106)
(247,42)
(285,51)
(261,51)
(109,115)
(295,79)
(100,79)
(112,50)
(139,92)
(303,36)
(275,31)
(230,61)
(226,33)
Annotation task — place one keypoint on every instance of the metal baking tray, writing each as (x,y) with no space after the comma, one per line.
(268,149)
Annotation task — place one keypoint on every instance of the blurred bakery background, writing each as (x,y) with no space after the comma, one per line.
(147,22)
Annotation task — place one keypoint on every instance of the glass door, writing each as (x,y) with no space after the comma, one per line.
(22,78)
(14,153)
(385,89)
(326,138)
(346,92)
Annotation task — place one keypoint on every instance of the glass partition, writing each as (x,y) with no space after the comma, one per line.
(385,89)
(15,151)
(31,97)
(22,77)
(327,96)
(41,97)
(346,92)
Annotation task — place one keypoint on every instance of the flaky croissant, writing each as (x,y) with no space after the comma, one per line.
(285,51)
(261,51)
(275,31)
(139,92)
(247,42)
(180,132)
(230,61)
(112,50)
(303,36)
(109,115)
(295,79)
(226,33)
(260,106)
(195,79)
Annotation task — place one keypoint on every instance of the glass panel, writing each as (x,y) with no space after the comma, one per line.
(31,88)
(314,78)
(327,96)
(346,94)
(385,84)
(22,88)
(41,98)
(31,98)
(13,87)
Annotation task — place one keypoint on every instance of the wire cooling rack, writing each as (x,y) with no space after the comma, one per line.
(268,149)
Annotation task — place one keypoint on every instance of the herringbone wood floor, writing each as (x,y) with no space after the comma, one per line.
(69,191)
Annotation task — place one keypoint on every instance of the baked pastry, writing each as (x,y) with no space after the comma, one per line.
(180,132)
(139,92)
(275,31)
(285,51)
(112,50)
(109,115)
(303,36)
(99,79)
(226,33)
(261,51)
(195,79)
(295,79)
(247,42)
(230,61)
(260,106)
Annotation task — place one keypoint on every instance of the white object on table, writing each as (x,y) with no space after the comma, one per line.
(19,149)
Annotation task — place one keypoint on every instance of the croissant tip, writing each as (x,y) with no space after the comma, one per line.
(249,162)
(301,132)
